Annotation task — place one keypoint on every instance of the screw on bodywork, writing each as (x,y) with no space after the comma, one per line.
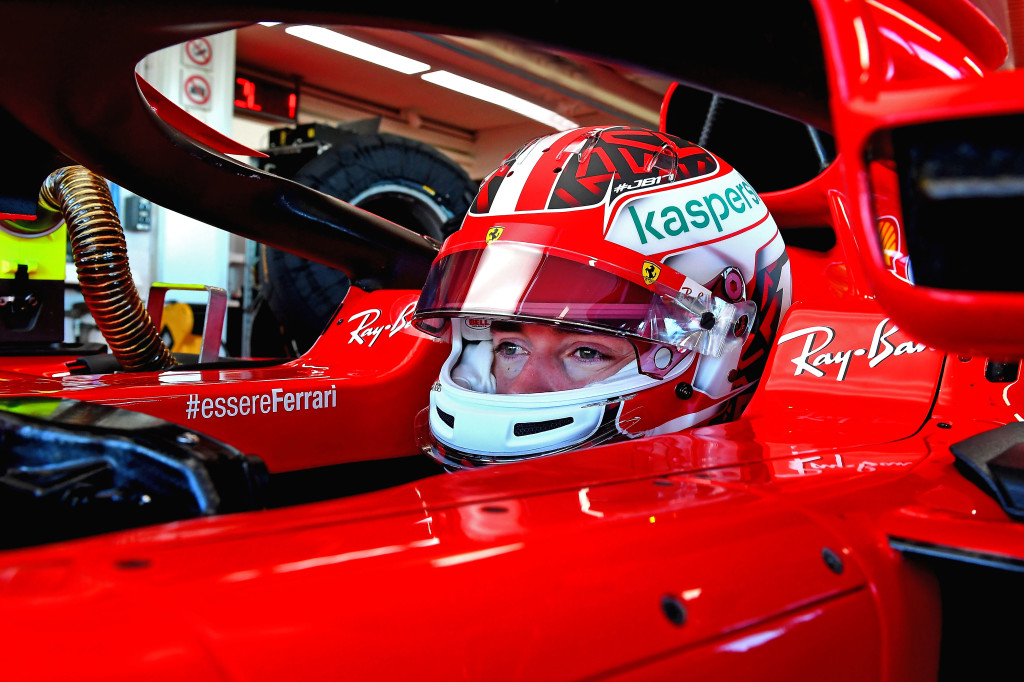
(944,425)
(684,391)
(131,564)
(673,609)
(832,560)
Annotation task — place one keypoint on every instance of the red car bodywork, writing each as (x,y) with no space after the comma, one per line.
(771,547)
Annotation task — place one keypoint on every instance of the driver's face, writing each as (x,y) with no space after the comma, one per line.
(530,358)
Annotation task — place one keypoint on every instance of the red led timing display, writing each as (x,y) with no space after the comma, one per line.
(265,98)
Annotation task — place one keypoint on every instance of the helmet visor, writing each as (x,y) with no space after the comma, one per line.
(517,281)
(531,284)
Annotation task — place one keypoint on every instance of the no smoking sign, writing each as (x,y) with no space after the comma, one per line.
(198,52)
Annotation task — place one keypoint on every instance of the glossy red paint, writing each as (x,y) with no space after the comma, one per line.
(660,517)
(33,367)
(915,47)
(625,504)
(851,361)
(357,575)
(757,549)
(865,100)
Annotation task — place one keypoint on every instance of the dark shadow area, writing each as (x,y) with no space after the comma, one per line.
(342,480)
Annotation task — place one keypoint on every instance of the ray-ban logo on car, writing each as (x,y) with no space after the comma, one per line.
(366,332)
(814,359)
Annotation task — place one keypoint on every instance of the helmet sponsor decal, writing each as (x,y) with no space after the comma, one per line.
(494,234)
(650,272)
(688,215)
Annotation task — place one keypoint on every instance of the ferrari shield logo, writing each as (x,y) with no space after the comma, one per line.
(650,272)
(494,233)
(888,230)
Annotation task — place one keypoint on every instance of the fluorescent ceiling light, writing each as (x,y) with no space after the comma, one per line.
(357,48)
(499,97)
(269,23)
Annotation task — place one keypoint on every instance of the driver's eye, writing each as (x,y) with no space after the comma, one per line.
(585,353)
(508,349)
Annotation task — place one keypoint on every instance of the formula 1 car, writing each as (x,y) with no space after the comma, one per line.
(258,519)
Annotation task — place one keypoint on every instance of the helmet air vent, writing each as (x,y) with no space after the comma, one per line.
(446,418)
(531,428)
(667,159)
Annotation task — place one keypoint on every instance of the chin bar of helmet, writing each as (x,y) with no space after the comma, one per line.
(453,459)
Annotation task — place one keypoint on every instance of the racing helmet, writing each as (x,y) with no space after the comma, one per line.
(613,232)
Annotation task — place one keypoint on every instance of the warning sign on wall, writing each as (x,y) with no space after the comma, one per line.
(197,90)
(198,53)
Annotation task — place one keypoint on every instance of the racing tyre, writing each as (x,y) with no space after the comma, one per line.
(397,178)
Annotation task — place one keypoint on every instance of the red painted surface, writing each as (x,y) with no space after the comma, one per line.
(866,98)
(559,567)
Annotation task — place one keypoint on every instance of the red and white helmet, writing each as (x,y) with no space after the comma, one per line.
(620,231)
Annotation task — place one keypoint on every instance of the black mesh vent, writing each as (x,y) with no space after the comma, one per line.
(530,428)
(446,418)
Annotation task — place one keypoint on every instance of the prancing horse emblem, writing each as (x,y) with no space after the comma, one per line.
(650,272)
(494,233)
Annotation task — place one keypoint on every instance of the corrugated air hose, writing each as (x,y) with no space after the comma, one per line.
(101,258)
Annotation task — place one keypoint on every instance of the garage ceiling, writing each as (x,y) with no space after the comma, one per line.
(585,92)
